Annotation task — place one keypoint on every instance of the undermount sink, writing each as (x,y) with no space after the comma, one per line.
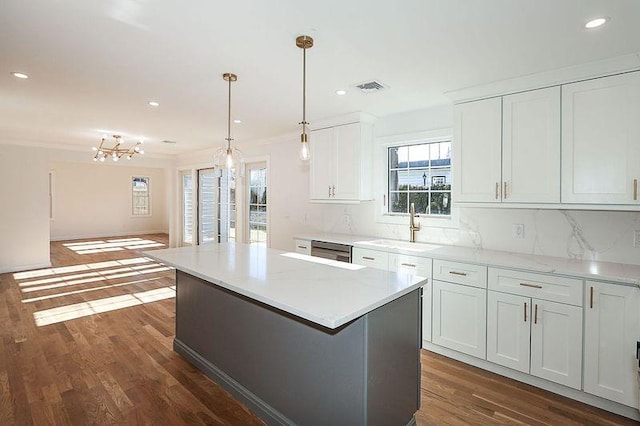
(398,245)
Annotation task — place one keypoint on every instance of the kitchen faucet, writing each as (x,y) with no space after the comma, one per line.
(412,223)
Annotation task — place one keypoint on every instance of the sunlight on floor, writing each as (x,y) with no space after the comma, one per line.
(102,246)
(83,309)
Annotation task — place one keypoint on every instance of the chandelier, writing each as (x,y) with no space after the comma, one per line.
(115,152)
(227,156)
(304,42)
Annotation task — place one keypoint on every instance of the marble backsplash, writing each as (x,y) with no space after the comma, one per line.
(574,234)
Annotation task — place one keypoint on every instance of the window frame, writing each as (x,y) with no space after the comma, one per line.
(382,179)
(148,180)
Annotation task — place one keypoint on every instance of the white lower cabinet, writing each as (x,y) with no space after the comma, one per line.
(303,247)
(509,330)
(422,267)
(460,318)
(612,328)
(372,258)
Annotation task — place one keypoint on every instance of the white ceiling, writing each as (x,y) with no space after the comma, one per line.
(94,65)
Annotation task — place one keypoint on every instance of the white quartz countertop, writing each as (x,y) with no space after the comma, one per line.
(591,270)
(325,292)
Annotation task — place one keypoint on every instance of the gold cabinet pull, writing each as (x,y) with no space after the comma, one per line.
(464,274)
(329,190)
(302,247)
(410,265)
(530,285)
(525,311)
(635,189)
(505,190)
(368,258)
(591,298)
(535,315)
(497,189)
(333,191)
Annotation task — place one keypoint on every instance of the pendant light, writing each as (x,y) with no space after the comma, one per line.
(304,42)
(228,157)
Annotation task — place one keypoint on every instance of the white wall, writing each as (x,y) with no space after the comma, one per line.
(24,211)
(94,200)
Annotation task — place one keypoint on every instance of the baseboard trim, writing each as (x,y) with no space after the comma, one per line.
(581,396)
(21,268)
(107,235)
(260,408)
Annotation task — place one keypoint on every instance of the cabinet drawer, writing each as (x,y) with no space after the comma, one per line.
(372,258)
(460,273)
(303,246)
(410,264)
(546,287)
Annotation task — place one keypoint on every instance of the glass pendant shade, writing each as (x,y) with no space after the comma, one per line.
(228,157)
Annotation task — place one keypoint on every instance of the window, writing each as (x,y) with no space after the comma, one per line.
(187,207)
(420,174)
(258,205)
(140,196)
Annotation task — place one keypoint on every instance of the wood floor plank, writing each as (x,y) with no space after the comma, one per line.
(113,362)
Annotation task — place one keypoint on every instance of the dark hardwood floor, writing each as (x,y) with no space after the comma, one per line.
(90,341)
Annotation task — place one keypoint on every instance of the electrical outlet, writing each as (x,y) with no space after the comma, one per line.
(636,238)
(518,230)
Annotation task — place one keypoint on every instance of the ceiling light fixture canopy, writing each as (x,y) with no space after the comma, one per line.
(304,42)
(228,157)
(116,152)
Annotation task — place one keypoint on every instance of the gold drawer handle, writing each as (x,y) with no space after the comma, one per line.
(463,274)
(497,188)
(410,265)
(531,285)
(368,258)
(302,247)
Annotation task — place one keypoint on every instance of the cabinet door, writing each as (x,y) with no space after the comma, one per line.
(477,143)
(556,343)
(531,146)
(321,144)
(347,162)
(611,331)
(508,330)
(601,140)
(459,319)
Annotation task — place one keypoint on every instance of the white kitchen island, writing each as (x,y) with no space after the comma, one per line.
(300,340)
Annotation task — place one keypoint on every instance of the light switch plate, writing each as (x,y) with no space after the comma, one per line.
(518,230)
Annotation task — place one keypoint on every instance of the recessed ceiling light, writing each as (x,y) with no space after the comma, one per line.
(595,23)
(237,121)
(154,103)
(19,75)
(341,92)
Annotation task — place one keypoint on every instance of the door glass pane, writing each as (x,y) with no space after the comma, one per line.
(226,203)
(258,205)
(207,206)
(187,208)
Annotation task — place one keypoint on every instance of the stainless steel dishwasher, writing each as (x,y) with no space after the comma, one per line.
(333,251)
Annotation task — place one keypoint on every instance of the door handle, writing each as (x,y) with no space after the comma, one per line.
(329,190)
(590,297)
(535,315)
(635,189)
(333,191)
(497,189)
(505,190)
(525,311)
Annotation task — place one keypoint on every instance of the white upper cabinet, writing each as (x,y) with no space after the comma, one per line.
(507,149)
(476,151)
(341,163)
(601,140)
(531,147)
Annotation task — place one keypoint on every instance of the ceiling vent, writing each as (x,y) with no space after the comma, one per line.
(371,86)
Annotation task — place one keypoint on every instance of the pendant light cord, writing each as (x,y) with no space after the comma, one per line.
(229,118)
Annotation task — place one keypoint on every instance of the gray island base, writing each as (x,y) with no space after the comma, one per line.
(288,370)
